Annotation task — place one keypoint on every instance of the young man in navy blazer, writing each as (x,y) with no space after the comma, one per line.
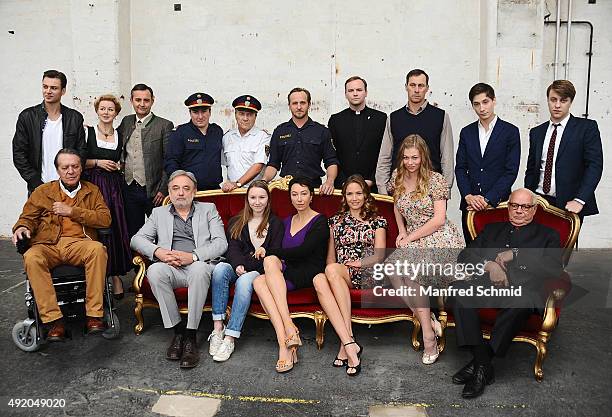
(488,156)
(565,159)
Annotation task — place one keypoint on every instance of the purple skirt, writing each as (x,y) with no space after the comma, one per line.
(118,248)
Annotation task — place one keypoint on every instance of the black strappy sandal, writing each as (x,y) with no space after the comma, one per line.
(358,367)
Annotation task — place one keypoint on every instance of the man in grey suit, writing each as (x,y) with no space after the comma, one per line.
(184,239)
(145,137)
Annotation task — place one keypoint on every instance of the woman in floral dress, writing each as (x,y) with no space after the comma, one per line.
(425,235)
(357,241)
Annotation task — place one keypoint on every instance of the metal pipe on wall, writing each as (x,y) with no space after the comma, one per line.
(568,41)
(556,64)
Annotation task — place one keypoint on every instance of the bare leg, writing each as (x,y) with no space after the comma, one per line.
(278,288)
(267,302)
(331,308)
(419,305)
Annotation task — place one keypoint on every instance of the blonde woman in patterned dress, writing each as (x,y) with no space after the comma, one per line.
(420,196)
(356,242)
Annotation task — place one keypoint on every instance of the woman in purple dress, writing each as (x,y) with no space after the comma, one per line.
(104,145)
(293,266)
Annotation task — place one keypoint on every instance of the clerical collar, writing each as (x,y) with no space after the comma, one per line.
(69,193)
(358,112)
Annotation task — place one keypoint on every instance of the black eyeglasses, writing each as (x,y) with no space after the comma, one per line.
(515,206)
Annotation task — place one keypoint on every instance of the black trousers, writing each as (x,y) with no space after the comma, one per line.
(137,206)
(508,322)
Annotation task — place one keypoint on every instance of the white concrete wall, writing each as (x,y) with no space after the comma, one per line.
(267,47)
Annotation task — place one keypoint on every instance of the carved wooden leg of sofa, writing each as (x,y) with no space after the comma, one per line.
(320,318)
(416,329)
(138,313)
(537,369)
(443,319)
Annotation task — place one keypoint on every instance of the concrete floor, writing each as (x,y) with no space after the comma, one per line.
(127,376)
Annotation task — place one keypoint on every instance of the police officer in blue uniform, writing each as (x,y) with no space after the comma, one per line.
(298,146)
(196,146)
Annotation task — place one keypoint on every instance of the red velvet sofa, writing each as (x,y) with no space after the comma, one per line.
(303,302)
(538,328)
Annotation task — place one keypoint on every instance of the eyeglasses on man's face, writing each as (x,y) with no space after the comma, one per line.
(516,206)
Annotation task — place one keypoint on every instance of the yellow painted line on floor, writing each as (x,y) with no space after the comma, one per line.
(222,396)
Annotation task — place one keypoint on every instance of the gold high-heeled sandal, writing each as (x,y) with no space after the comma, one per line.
(283,366)
(293,340)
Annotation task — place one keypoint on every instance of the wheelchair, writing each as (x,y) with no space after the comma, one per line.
(69,284)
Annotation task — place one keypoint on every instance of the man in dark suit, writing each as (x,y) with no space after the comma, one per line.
(145,137)
(565,159)
(518,254)
(357,133)
(488,156)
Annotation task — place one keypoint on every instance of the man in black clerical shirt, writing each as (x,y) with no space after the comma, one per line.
(357,133)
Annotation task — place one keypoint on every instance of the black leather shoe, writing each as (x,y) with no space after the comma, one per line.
(175,350)
(191,354)
(464,374)
(483,375)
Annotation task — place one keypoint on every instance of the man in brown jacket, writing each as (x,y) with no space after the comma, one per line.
(60,218)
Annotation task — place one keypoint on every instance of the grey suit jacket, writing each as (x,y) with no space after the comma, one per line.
(208,232)
(154,142)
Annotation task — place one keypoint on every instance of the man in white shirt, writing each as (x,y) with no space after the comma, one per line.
(488,156)
(245,149)
(42,130)
(565,159)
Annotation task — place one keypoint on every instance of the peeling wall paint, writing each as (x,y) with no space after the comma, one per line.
(265,48)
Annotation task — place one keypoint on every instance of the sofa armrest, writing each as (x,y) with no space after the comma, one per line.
(142,264)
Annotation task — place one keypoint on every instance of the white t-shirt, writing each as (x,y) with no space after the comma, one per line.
(52,143)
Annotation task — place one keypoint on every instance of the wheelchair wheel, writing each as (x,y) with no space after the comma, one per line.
(25,341)
(111,332)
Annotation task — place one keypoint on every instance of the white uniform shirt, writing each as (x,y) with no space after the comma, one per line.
(52,143)
(241,152)
(485,135)
(560,129)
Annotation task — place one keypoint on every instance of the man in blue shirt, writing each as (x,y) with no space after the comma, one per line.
(196,146)
(298,146)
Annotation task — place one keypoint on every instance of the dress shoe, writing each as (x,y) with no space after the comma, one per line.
(175,350)
(483,376)
(57,332)
(94,325)
(191,355)
(464,374)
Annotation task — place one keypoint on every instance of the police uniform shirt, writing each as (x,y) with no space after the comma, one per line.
(300,150)
(189,149)
(241,152)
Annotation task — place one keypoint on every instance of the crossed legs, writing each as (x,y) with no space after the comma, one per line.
(271,290)
(333,292)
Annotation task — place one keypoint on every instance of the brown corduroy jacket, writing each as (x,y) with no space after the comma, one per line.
(46,227)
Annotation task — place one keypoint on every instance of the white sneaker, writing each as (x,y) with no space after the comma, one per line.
(224,352)
(215,339)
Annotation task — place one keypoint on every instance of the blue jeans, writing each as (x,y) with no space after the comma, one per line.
(222,277)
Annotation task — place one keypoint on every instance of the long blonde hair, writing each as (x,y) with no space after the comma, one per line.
(424,172)
(246,214)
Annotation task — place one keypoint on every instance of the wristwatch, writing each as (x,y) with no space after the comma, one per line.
(238,184)
(194,257)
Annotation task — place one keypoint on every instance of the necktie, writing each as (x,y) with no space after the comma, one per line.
(549,160)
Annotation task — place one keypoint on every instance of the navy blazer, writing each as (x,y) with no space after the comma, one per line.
(492,174)
(578,163)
